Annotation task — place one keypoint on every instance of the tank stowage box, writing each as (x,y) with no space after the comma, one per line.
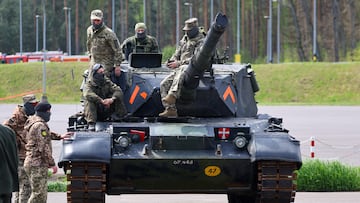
(218,144)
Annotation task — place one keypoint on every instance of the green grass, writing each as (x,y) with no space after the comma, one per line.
(325,176)
(290,84)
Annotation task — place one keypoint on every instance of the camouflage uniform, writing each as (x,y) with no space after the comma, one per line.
(17,122)
(134,45)
(94,94)
(9,164)
(187,47)
(103,47)
(38,156)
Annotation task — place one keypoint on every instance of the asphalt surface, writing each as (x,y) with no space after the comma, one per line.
(334,128)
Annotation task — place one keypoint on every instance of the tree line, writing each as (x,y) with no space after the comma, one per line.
(336,25)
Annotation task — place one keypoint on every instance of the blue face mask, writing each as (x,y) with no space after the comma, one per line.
(44,115)
(193,32)
(97,26)
(141,35)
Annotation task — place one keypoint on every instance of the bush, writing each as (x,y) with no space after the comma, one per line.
(58,186)
(326,176)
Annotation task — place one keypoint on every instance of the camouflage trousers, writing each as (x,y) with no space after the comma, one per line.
(97,112)
(24,185)
(38,181)
(173,83)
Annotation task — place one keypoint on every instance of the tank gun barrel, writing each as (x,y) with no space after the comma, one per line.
(202,59)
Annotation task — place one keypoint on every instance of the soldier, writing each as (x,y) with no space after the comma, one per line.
(102,98)
(171,85)
(9,164)
(102,43)
(39,151)
(140,42)
(17,122)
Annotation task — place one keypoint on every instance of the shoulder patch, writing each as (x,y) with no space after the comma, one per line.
(44,133)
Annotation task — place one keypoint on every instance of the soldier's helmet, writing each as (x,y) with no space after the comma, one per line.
(140,25)
(96,15)
(190,23)
(30,98)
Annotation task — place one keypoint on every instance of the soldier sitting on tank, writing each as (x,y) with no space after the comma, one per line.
(140,42)
(171,85)
(103,98)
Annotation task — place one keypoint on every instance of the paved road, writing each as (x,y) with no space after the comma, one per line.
(301,197)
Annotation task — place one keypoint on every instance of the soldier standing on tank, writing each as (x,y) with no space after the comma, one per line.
(102,97)
(140,42)
(171,85)
(9,164)
(102,43)
(17,122)
(39,151)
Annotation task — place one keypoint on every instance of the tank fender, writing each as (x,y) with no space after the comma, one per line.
(274,146)
(86,147)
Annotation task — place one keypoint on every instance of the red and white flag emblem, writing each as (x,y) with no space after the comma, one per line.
(224,133)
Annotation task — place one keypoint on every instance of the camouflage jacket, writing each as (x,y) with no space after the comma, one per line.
(103,46)
(133,45)
(95,93)
(38,146)
(187,48)
(17,122)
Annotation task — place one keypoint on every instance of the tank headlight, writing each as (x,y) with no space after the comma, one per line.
(240,142)
(123,141)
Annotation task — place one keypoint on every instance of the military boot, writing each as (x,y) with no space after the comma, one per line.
(169,112)
(169,99)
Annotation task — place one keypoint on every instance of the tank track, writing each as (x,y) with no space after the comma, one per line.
(276,182)
(86,182)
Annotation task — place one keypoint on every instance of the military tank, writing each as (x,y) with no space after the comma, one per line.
(219,144)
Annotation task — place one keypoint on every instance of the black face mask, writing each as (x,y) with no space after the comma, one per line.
(44,115)
(99,78)
(141,35)
(97,26)
(193,32)
(29,109)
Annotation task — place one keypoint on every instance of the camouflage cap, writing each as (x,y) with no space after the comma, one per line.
(140,25)
(190,23)
(31,98)
(96,15)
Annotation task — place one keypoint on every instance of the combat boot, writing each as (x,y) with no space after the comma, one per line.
(169,112)
(169,99)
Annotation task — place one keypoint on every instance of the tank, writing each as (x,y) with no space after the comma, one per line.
(219,144)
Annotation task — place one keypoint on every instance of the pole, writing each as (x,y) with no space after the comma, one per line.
(278,32)
(37,33)
(113,15)
(269,33)
(314,34)
(20,26)
(238,56)
(177,21)
(69,28)
(211,10)
(144,2)
(44,51)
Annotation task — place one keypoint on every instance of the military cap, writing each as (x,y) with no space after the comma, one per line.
(190,23)
(140,25)
(43,106)
(29,98)
(96,67)
(96,15)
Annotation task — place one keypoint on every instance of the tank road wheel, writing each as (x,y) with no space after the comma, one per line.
(86,182)
(276,182)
